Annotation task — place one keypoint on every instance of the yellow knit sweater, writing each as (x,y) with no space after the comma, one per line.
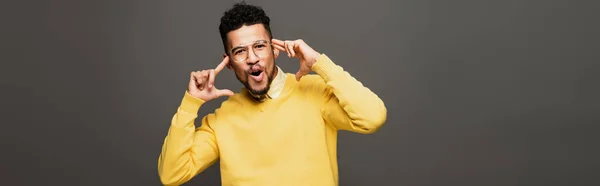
(287,141)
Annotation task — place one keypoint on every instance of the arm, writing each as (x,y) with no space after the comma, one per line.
(349,105)
(187,150)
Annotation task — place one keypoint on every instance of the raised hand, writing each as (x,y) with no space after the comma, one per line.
(298,49)
(202,83)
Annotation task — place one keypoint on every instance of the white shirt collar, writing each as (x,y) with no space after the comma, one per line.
(277,84)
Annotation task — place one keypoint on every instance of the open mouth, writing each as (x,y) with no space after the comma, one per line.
(255,72)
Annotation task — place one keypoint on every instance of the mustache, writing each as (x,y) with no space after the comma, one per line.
(256,67)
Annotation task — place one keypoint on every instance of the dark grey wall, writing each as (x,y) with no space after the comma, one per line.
(498,92)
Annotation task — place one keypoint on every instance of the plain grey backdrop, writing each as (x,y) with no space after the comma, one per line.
(501,92)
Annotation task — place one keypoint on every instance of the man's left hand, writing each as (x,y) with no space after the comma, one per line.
(298,49)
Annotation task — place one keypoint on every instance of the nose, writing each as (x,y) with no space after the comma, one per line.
(252,57)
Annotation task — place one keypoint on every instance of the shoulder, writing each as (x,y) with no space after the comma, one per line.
(313,84)
(311,81)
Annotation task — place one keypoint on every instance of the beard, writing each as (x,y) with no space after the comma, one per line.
(259,92)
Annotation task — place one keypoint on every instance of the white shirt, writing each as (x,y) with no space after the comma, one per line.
(277,84)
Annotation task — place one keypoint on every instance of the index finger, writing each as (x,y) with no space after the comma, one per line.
(222,65)
(278,42)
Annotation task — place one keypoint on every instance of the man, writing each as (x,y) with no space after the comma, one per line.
(281,129)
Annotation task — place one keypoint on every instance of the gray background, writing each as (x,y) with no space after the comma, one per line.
(498,92)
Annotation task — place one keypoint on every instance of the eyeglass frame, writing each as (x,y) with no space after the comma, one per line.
(246,47)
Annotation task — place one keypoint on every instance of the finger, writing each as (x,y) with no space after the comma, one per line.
(222,65)
(292,48)
(298,75)
(196,76)
(201,79)
(280,48)
(288,49)
(192,83)
(301,72)
(205,76)
(225,92)
(211,78)
(278,42)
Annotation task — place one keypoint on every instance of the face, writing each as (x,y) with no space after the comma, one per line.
(258,70)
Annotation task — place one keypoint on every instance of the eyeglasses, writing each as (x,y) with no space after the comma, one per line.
(260,48)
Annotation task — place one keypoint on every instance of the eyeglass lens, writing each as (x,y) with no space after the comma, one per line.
(259,48)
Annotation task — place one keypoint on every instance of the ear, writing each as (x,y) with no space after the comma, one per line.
(228,63)
(275,52)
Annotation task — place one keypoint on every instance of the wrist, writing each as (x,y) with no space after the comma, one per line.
(326,68)
(190,103)
(313,59)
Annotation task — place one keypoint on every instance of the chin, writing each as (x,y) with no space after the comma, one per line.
(258,89)
(257,84)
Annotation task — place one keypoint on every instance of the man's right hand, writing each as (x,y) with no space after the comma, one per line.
(202,83)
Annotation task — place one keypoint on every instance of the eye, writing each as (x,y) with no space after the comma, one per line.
(259,46)
(237,52)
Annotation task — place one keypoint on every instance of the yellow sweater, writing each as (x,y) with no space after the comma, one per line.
(287,141)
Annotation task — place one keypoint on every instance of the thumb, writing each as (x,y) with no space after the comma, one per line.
(225,92)
(299,75)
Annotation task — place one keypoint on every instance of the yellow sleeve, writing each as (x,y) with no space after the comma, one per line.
(187,150)
(349,105)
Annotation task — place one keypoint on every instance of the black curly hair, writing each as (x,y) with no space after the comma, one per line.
(242,14)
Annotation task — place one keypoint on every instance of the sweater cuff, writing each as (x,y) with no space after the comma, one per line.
(326,68)
(190,103)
